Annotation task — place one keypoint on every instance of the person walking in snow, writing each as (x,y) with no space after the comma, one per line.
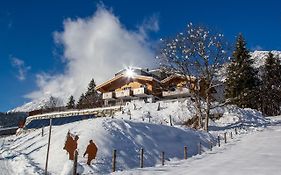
(91,151)
(71,145)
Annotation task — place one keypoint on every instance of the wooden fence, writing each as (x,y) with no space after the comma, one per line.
(224,136)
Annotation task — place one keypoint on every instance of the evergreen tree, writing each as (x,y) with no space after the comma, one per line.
(242,81)
(71,103)
(271,86)
(92,97)
(81,102)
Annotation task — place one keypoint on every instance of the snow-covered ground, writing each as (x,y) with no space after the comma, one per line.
(26,153)
(127,137)
(253,153)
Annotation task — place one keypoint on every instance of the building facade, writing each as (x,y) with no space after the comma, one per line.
(142,84)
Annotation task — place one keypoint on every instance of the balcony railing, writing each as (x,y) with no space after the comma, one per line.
(140,92)
(178,92)
(124,93)
(108,96)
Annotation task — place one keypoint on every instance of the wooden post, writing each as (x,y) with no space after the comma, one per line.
(185,152)
(219,141)
(141,158)
(114,161)
(162,157)
(170,120)
(42,134)
(231,135)
(225,137)
(236,131)
(48,147)
(199,148)
(75,162)
(111,113)
(130,115)
(158,108)
(211,145)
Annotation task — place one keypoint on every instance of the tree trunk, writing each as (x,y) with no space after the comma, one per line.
(207,115)
(198,110)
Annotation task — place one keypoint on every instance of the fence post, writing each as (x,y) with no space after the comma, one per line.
(75,162)
(224,137)
(185,152)
(219,141)
(48,148)
(162,157)
(158,108)
(141,158)
(42,134)
(130,115)
(114,161)
(211,145)
(231,135)
(236,131)
(199,148)
(170,120)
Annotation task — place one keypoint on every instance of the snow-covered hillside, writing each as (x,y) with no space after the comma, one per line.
(38,104)
(260,56)
(127,137)
(26,152)
(256,153)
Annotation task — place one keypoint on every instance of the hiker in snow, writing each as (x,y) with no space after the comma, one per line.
(91,151)
(71,145)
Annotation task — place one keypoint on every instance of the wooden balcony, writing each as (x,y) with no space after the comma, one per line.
(128,93)
(178,92)
(108,96)
(140,92)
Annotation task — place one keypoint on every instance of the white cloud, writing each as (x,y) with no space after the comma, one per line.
(21,68)
(257,47)
(149,24)
(95,47)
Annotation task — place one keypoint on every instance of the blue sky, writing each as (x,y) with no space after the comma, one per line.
(27,31)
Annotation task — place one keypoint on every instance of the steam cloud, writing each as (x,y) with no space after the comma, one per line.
(95,47)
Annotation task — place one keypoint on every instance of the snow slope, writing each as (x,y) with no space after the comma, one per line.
(37,104)
(27,151)
(257,153)
(127,137)
(181,110)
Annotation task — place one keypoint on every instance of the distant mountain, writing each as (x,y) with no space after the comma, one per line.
(259,60)
(260,56)
(45,102)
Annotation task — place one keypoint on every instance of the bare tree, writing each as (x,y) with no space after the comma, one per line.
(196,54)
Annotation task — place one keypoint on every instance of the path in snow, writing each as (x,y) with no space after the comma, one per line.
(257,153)
(4,164)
